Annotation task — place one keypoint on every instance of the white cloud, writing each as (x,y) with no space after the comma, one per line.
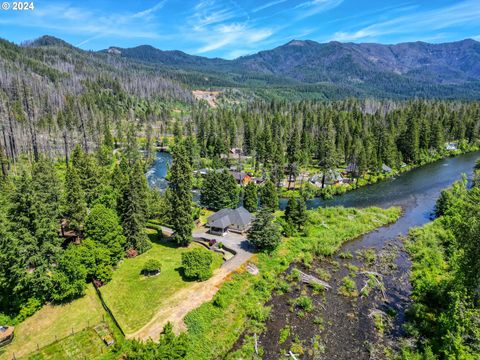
(462,13)
(148,12)
(268,5)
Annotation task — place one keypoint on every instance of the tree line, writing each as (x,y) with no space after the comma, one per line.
(444,319)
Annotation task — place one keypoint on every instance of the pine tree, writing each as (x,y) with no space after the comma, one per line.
(87,170)
(75,204)
(296,212)
(250,197)
(180,195)
(326,151)
(264,233)
(132,209)
(219,191)
(269,196)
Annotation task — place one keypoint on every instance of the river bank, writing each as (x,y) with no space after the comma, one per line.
(361,316)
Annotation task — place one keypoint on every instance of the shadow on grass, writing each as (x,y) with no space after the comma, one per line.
(185,278)
(159,239)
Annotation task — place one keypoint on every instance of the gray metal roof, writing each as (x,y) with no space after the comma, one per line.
(226,217)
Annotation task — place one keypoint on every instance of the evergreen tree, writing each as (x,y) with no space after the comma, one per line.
(264,233)
(250,197)
(219,191)
(180,195)
(132,208)
(269,196)
(169,347)
(326,151)
(296,212)
(293,156)
(75,204)
(87,170)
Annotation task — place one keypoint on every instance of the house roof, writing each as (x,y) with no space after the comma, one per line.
(386,168)
(226,217)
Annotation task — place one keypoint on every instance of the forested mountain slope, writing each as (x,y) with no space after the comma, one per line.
(450,70)
(53,95)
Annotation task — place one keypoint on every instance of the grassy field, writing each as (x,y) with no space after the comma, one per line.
(133,298)
(239,304)
(51,321)
(85,344)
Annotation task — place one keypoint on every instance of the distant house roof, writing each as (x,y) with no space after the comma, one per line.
(451,146)
(241,177)
(386,168)
(227,217)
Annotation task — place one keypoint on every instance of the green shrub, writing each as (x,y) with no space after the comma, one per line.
(28,309)
(197,264)
(304,302)
(151,267)
(348,288)
(284,334)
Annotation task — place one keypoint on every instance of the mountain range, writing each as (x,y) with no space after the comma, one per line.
(317,70)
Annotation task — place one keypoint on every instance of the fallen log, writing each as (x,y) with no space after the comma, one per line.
(309,279)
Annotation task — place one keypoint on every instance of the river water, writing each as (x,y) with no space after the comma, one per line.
(416,190)
(349,331)
(157,173)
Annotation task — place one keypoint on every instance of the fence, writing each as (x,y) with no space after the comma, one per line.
(107,309)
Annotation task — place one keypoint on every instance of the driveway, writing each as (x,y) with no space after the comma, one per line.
(190,298)
(233,241)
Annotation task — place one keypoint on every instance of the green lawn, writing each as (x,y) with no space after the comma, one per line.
(51,321)
(85,344)
(133,298)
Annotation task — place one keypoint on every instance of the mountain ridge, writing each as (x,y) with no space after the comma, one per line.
(404,70)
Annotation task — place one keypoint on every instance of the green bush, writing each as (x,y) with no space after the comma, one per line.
(151,267)
(197,264)
(28,309)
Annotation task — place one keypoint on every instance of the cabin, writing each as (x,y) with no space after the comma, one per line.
(236,220)
(6,335)
(241,178)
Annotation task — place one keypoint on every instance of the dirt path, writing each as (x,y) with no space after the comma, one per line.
(189,299)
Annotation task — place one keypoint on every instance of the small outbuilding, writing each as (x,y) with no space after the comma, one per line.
(6,335)
(386,169)
(236,220)
(451,147)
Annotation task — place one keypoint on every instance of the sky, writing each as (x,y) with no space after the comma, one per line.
(232,28)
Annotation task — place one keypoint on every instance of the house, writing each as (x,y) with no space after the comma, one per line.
(241,178)
(6,335)
(236,220)
(332,177)
(386,169)
(451,147)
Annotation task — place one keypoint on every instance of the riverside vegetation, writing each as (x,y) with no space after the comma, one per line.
(75,205)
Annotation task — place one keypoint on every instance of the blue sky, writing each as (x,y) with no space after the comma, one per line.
(232,28)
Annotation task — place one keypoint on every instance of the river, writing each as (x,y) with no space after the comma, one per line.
(349,332)
(157,173)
